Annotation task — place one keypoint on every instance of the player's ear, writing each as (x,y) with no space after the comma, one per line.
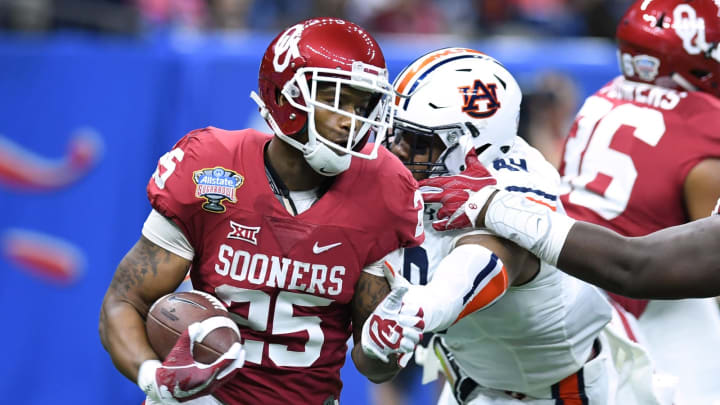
(281,100)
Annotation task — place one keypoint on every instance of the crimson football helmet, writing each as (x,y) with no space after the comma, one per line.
(462,98)
(324,52)
(672,43)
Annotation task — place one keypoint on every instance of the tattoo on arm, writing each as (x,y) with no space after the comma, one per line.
(370,290)
(142,259)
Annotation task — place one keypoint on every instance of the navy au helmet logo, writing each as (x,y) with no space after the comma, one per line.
(216,185)
(478,92)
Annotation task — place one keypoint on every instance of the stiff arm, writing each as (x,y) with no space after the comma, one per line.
(677,262)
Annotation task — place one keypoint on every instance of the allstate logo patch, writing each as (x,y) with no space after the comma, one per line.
(216,185)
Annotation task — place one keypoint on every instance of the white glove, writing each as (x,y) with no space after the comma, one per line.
(392,329)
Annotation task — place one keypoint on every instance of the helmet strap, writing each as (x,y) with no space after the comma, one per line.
(326,162)
(682,82)
(265,113)
(321,158)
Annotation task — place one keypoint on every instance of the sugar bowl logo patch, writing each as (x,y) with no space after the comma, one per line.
(646,66)
(216,185)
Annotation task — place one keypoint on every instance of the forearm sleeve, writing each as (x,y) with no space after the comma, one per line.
(533,226)
(470,278)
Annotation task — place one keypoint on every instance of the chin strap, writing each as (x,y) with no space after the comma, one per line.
(318,155)
(326,162)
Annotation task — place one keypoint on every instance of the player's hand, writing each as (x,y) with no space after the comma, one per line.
(180,378)
(462,196)
(393,329)
(396,281)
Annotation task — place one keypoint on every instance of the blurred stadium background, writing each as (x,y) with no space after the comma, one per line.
(92,92)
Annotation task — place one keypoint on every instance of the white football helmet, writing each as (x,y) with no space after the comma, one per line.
(466,98)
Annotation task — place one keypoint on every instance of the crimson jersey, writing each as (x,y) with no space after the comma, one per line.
(288,281)
(628,153)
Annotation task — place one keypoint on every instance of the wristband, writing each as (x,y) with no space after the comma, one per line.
(146,377)
(476,202)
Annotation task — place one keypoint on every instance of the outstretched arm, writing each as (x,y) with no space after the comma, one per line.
(678,262)
(472,277)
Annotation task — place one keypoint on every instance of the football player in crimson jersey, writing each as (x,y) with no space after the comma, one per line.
(288,230)
(509,328)
(644,154)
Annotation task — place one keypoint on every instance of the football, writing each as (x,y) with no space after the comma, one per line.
(171,314)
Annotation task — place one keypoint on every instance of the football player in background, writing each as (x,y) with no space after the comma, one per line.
(644,155)
(288,230)
(509,327)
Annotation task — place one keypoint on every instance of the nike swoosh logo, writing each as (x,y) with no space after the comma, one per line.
(185,300)
(319,249)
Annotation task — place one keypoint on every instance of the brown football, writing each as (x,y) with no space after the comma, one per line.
(171,314)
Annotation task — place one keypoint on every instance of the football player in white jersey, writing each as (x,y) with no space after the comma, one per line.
(510,328)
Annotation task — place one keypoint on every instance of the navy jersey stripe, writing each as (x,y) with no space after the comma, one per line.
(581,387)
(541,193)
(555,392)
(480,277)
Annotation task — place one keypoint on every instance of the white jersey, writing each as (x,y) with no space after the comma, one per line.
(536,334)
